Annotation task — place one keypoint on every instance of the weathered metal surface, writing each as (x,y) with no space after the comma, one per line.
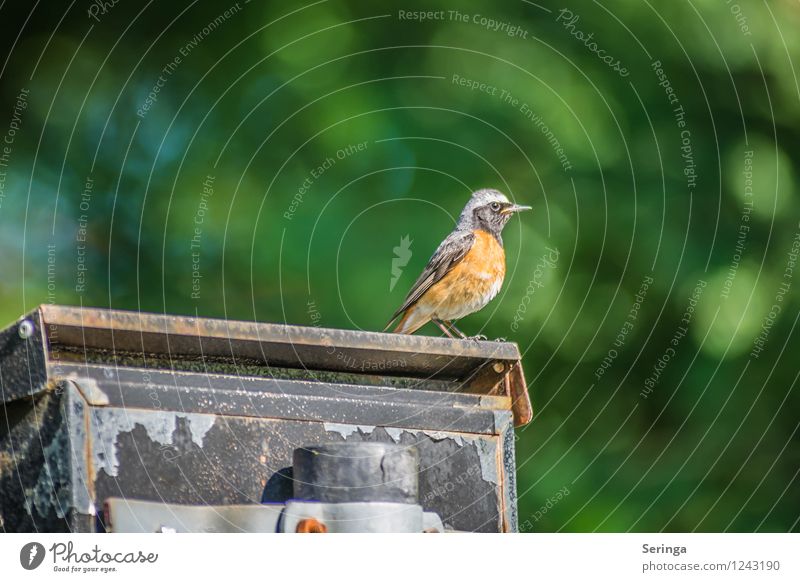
(230,460)
(312,347)
(149,408)
(469,362)
(356,472)
(22,360)
(289,399)
(42,464)
(356,517)
(133,516)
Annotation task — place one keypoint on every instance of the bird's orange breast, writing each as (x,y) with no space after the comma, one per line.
(473,282)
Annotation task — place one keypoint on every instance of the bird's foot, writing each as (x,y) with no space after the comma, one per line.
(476,338)
(500,339)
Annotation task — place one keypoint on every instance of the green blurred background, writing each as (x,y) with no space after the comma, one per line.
(200,127)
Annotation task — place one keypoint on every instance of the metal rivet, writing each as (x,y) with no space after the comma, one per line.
(25,328)
(499,367)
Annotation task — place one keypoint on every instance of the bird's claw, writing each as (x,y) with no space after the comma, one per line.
(477,338)
(500,339)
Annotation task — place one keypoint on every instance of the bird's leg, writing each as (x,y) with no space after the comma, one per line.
(443,327)
(453,327)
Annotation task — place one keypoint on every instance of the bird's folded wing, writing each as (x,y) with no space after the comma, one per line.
(448,255)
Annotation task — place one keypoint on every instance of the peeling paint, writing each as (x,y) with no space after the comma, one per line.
(487,450)
(347,429)
(200,424)
(487,455)
(394,433)
(437,435)
(82,490)
(159,427)
(503,419)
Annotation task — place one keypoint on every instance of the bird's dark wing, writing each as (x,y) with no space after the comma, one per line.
(447,256)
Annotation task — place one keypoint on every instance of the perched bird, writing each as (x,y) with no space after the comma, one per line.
(465,272)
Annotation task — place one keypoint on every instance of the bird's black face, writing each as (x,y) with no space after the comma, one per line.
(494,215)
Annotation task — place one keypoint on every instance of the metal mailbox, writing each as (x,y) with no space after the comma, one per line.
(183,411)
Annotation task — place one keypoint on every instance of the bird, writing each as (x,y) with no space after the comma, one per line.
(465,272)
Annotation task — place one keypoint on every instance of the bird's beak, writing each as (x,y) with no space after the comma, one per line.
(515,208)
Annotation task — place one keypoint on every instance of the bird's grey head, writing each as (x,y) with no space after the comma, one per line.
(488,210)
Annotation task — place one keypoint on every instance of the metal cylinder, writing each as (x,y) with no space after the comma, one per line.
(352,472)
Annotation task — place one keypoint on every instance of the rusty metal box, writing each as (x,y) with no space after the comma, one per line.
(182,410)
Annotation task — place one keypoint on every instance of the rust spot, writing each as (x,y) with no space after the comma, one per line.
(311,525)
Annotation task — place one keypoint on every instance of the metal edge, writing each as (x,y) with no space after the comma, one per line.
(507,462)
(24,360)
(517,390)
(83,510)
(131,321)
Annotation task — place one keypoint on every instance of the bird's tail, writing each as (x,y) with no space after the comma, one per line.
(409,323)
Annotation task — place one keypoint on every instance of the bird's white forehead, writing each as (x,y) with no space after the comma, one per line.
(497,197)
(489,196)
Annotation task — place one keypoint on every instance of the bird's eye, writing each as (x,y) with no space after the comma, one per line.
(496,206)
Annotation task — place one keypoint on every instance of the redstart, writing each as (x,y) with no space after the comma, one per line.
(465,272)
